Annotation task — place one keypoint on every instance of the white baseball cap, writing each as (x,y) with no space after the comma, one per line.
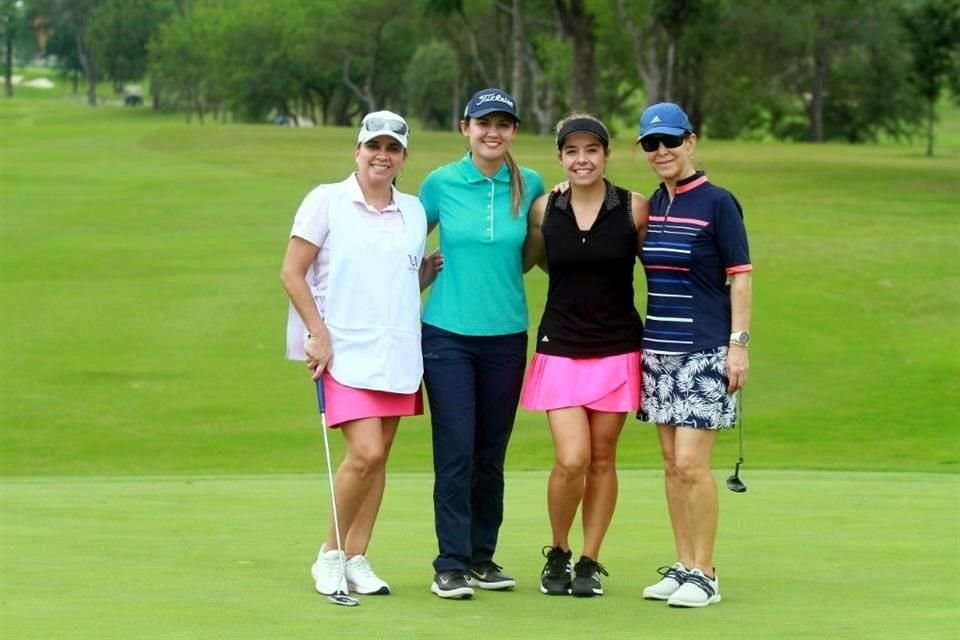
(383,123)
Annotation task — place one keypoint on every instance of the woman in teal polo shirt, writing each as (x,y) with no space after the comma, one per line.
(475,339)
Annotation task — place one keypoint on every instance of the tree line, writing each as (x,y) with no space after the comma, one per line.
(812,70)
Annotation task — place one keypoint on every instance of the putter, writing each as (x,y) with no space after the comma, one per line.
(734,483)
(339,597)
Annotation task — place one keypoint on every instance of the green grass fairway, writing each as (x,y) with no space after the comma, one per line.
(143,316)
(159,459)
(803,555)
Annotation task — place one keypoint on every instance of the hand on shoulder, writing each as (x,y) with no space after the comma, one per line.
(641,209)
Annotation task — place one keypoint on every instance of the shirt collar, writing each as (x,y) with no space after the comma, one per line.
(356,195)
(473,174)
(689,183)
(611,200)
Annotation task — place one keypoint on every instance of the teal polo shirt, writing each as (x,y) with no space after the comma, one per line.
(480,290)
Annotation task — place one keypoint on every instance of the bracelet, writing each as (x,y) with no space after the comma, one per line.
(739,344)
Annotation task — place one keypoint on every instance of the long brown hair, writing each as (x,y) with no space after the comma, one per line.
(516,184)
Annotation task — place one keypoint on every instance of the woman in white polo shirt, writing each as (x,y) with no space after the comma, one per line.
(353,271)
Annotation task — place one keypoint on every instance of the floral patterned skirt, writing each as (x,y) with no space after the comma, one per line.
(688,390)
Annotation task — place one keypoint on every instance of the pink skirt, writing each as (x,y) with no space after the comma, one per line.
(611,383)
(344,403)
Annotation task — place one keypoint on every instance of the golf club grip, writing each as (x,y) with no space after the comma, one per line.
(321,402)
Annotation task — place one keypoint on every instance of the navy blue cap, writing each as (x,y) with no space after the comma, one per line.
(487,101)
(664,117)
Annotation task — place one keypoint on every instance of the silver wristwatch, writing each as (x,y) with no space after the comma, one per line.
(741,338)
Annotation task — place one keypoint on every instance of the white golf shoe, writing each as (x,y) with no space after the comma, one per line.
(362,579)
(696,591)
(326,572)
(672,578)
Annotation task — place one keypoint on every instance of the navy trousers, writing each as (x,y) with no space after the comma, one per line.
(473,385)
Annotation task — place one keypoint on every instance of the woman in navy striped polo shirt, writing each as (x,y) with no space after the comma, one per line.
(697,264)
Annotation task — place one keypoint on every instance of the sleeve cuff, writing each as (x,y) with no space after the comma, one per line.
(740,268)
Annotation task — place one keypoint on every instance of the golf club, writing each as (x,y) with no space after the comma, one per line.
(734,483)
(339,597)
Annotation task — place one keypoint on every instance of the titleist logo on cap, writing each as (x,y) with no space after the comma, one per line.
(494,97)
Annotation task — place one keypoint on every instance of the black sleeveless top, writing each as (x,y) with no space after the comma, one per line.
(590,310)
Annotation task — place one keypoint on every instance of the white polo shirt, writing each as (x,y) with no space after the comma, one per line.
(365,283)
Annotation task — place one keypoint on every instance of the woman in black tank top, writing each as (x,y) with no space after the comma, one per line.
(586,371)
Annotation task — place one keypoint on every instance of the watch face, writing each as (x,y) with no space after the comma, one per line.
(741,337)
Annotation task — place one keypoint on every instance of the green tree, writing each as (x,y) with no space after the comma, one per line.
(181,60)
(869,92)
(790,78)
(933,38)
(121,30)
(76,14)
(255,57)
(377,41)
(61,44)
(12,24)
(578,22)
(430,80)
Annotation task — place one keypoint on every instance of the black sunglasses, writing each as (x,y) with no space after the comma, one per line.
(652,143)
(385,124)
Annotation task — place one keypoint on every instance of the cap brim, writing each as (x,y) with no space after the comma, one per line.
(670,131)
(486,112)
(599,139)
(362,138)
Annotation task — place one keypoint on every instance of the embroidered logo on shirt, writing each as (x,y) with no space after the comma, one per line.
(413,262)
(545,339)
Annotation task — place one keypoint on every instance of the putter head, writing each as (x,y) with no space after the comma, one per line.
(734,483)
(343,599)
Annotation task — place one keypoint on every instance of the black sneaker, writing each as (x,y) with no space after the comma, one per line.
(489,575)
(555,577)
(451,584)
(586,579)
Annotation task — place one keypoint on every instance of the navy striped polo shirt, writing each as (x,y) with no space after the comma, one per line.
(693,243)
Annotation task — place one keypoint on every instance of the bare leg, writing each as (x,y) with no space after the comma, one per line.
(357,475)
(676,503)
(693,452)
(358,536)
(571,442)
(600,495)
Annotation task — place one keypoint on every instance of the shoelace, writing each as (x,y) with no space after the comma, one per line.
(557,561)
(487,567)
(701,581)
(363,566)
(586,569)
(331,566)
(673,572)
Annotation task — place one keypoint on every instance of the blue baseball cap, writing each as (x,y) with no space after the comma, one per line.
(664,117)
(487,101)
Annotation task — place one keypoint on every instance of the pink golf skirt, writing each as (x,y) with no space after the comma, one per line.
(610,383)
(344,403)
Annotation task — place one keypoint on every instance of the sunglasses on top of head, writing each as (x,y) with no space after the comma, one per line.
(385,124)
(652,143)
